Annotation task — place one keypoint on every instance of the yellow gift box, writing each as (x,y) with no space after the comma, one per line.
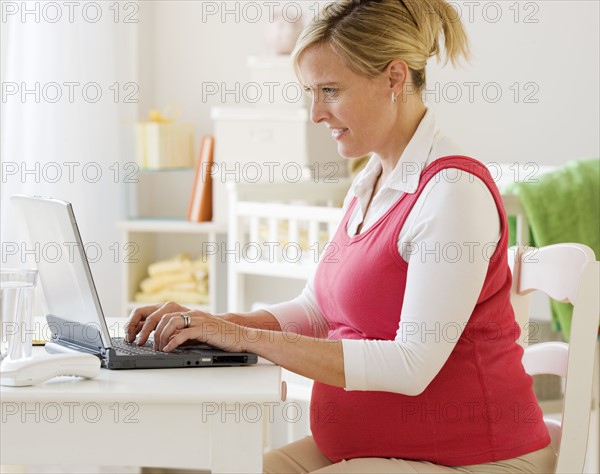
(163,143)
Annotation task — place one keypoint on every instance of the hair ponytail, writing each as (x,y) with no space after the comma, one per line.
(368,34)
(436,18)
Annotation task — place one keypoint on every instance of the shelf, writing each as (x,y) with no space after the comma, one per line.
(282,270)
(149,240)
(171,226)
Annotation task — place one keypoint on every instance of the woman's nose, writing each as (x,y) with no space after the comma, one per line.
(318,109)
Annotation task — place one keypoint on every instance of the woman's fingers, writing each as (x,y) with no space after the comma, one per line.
(204,328)
(151,321)
(135,322)
(168,325)
(176,339)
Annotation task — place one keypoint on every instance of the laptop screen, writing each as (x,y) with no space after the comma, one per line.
(64,271)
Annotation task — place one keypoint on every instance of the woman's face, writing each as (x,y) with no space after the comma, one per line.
(357,109)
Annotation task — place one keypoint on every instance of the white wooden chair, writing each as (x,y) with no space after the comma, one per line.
(568,273)
(513,207)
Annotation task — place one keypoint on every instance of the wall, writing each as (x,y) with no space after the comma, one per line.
(555,116)
(548,48)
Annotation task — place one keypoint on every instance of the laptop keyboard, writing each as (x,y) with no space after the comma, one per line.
(192,347)
(134,349)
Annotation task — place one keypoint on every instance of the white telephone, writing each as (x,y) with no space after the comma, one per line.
(39,368)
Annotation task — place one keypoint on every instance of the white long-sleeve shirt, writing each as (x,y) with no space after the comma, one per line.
(448,239)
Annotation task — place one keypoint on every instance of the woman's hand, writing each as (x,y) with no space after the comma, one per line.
(258,332)
(145,319)
(171,332)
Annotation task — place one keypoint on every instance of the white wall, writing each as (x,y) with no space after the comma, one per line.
(181,50)
(550,49)
(557,58)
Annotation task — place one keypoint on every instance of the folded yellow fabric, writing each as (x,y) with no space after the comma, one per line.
(163,280)
(183,286)
(179,263)
(177,279)
(200,265)
(196,286)
(183,297)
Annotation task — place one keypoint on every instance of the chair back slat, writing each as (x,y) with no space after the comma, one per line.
(549,358)
(556,273)
(580,371)
(520,302)
(566,272)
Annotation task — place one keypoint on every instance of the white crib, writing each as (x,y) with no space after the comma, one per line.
(279,230)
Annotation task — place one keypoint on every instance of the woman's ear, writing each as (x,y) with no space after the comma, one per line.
(398,75)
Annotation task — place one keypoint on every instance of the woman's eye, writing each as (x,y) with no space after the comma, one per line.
(323,92)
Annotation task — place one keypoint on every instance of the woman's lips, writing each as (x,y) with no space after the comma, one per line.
(338,133)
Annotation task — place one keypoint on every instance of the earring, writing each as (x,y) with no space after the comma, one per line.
(394,98)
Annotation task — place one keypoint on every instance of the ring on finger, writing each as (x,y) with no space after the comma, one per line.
(186,320)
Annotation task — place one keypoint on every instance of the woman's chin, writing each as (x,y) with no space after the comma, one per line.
(346,152)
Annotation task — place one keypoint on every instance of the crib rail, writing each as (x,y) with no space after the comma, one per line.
(282,229)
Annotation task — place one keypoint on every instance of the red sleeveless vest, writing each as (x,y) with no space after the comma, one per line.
(479,408)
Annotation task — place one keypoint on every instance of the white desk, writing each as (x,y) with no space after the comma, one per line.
(206,418)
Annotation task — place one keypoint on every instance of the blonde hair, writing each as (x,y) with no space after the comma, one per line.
(368,34)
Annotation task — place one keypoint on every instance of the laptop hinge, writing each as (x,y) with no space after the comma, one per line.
(83,337)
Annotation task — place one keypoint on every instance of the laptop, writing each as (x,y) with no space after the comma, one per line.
(75,318)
